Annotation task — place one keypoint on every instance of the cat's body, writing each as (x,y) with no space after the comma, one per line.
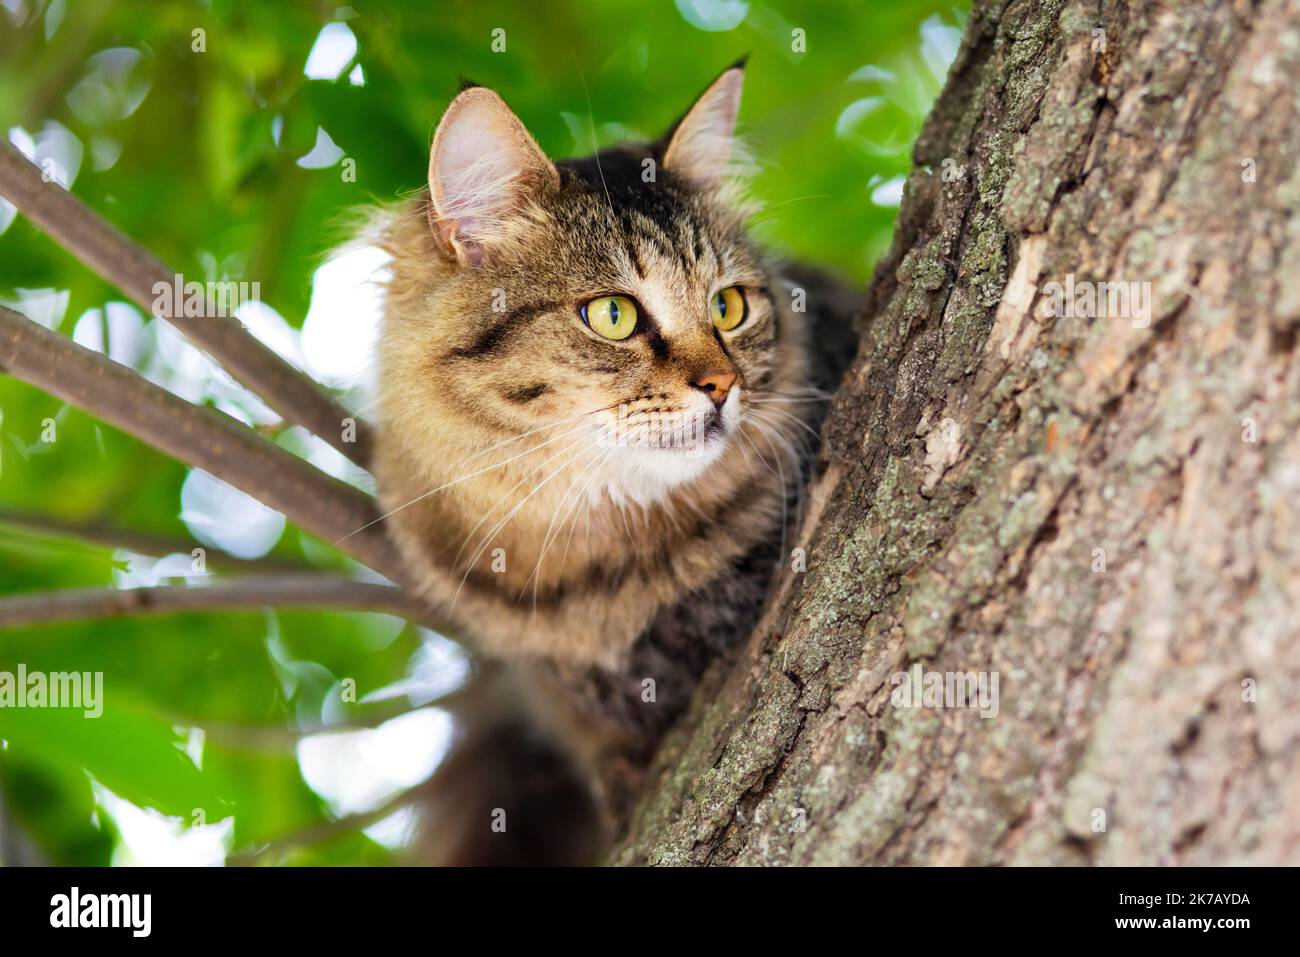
(602,508)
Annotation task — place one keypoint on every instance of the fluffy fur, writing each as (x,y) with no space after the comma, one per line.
(585,507)
(554,488)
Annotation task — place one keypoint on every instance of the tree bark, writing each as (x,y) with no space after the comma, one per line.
(1100,512)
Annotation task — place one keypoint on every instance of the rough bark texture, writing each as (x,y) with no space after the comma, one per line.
(981,451)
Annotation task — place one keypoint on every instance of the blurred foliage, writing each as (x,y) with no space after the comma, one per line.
(186,125)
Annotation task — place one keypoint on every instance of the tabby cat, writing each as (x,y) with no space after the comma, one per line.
(595,400)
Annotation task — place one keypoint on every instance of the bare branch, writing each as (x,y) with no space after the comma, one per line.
(136,271)
(277,737)
(200,436)
(144,543)
(242,594)
(326,831)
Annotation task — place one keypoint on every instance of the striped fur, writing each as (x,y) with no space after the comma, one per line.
(604,576)
(546,542)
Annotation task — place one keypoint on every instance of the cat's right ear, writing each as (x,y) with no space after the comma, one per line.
(483,169)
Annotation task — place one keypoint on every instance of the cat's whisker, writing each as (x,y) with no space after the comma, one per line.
(541,428)
(779,432)
(491,448)
(796,447)
(620,506)
(761,457)
(785,488)
(492,533)
(569,511)
(488,538)
(806,392)
(780,475)
(510,491)
(595,147)
(797,389)
(774,433)
(786,202)
(595,470)
(466,477)
(535,575)
(500,503)
(793,419)
(749,463)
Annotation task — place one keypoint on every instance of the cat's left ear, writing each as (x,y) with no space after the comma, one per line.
(700,145)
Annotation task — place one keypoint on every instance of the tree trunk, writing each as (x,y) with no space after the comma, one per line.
(1096,510)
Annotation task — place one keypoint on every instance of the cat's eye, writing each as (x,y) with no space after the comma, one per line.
(613,317)
(728,308)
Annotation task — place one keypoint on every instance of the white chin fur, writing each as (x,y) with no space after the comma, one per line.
(648,473)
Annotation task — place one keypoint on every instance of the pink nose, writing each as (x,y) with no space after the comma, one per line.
(716,385)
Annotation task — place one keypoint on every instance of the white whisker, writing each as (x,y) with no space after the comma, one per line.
(487,539)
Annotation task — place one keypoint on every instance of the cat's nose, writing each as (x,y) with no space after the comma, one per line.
(715,385)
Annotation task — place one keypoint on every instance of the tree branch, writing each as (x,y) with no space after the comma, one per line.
(136,271)
(286,591)
(199,436)
(144,543)
(326,831)
(275,737)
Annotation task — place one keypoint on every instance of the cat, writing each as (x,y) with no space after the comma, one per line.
(596,398)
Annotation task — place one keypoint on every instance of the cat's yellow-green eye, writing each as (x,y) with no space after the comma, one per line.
(613,317)
(728,308)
